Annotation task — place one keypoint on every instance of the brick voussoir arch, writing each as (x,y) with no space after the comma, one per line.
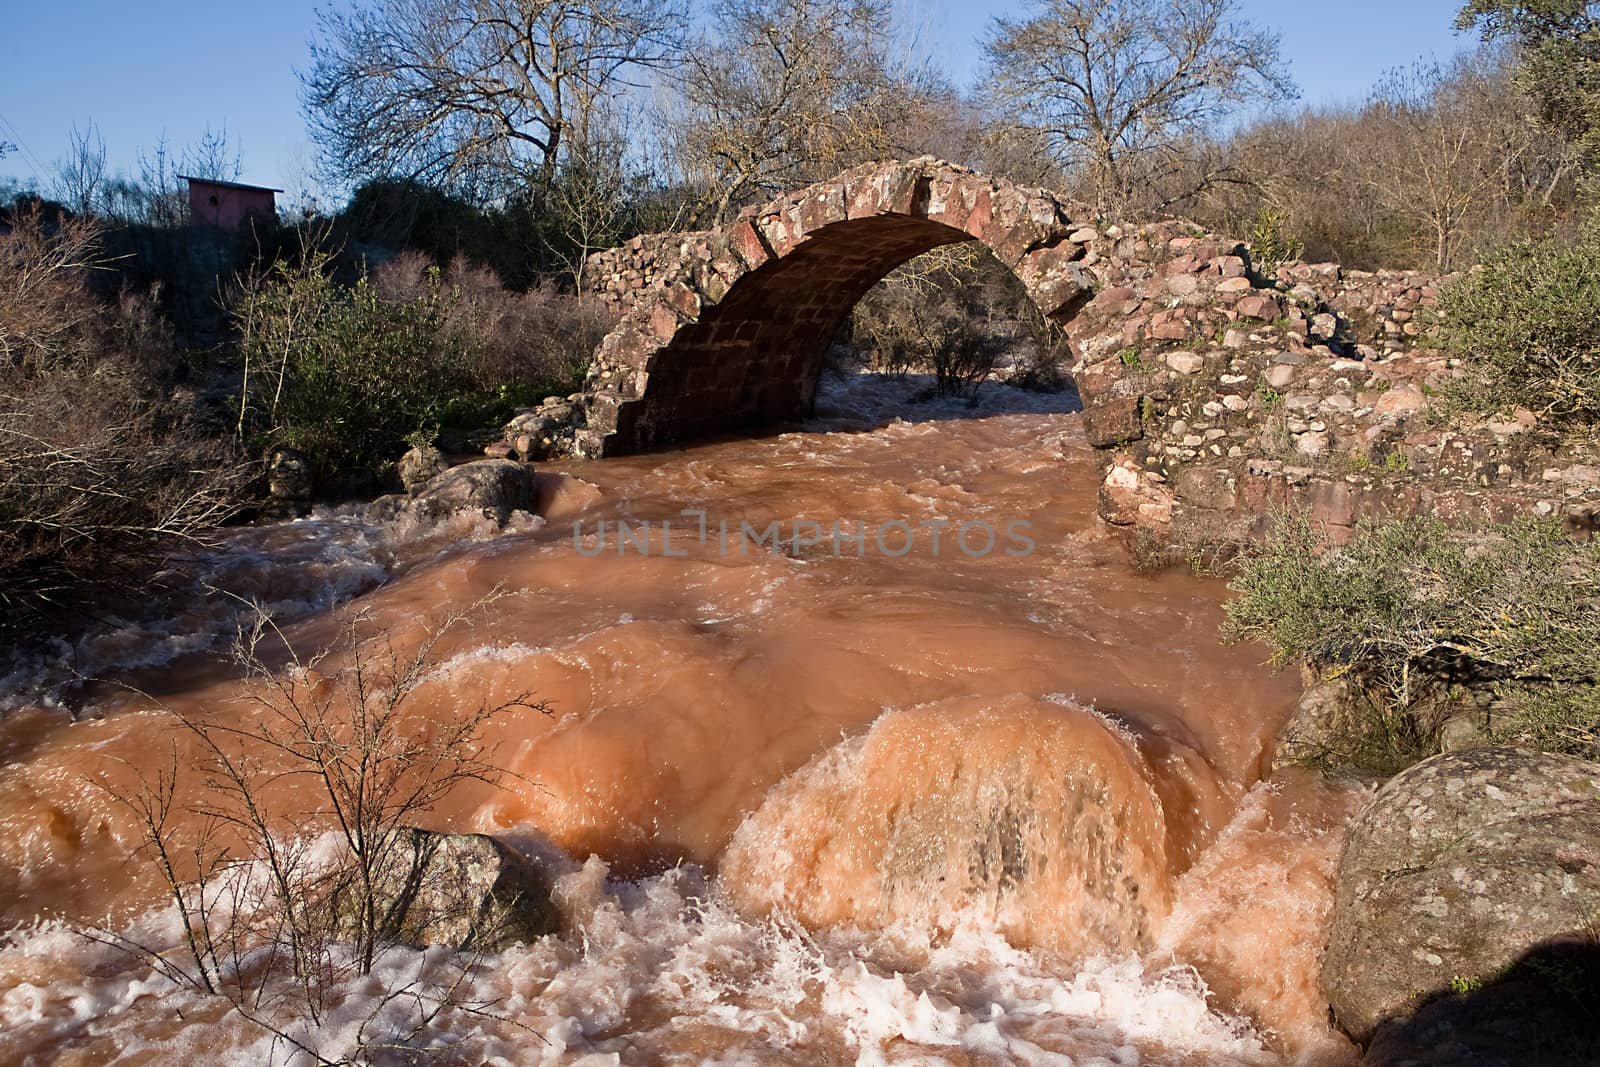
(730,328)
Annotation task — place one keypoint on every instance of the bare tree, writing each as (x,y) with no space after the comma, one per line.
(1114,86)
(156,196)
(1448,150)
(213,157)
(81,173)
(479,94)
(593,196)
(791,91)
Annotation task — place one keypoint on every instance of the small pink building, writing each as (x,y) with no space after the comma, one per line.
(227,204)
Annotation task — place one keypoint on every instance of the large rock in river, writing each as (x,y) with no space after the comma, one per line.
(496,487)
(1460,867)
(1544,1011)
(467,891)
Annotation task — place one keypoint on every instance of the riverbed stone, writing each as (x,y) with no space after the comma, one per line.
(495,487)
(1459,867)
(463,891)
(420,466)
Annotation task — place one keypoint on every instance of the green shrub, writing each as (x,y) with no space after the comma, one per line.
(1413,611)
(339,373)
(1271,243)
(1527,322)
(346,373)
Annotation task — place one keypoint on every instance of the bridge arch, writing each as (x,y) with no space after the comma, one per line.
(729,328)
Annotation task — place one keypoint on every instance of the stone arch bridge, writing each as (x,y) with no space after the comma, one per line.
(1215,387)
(728,328)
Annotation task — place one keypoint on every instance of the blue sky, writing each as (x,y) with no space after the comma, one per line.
(173,67)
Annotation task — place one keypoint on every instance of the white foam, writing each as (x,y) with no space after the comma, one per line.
(665,970)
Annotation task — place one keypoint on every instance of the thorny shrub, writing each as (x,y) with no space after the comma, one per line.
(105,467)
(271,919)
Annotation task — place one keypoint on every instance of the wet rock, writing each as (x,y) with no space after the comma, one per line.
(1544,1010)
(289,476)
(543,432)
(496,487)
(1457,868)
(386,508)
(1130,499)
(1113,422)
(466,891)
(1324,714)
(420,466)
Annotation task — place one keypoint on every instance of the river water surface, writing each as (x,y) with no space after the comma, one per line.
(862,800)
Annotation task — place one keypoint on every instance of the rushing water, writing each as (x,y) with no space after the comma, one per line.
(863,800)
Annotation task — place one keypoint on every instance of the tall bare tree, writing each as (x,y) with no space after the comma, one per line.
(81,173)
(790,91)
(1449,153)
(478,94)
(1117,87)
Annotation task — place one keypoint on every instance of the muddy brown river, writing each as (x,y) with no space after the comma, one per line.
(940,780)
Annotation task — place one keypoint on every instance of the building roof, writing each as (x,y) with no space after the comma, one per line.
(230,185)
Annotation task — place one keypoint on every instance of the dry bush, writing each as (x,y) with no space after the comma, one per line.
(541,335)
(271,918)
(102,471)
(1440,162)
(43,309)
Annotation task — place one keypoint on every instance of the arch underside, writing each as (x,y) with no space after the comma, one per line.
(756,355)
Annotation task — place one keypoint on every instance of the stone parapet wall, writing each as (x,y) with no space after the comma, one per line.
(1220,394)
(628,275)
